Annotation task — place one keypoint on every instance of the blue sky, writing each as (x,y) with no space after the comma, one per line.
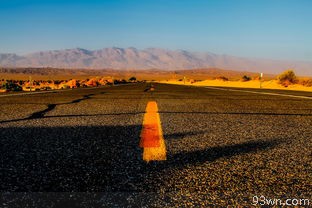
(275,29)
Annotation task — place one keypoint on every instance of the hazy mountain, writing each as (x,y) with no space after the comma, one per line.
(132,58)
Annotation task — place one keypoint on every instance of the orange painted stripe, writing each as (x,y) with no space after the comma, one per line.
(151,107)
(151,136)
(150,132)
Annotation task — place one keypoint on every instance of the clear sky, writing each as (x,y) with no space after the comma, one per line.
(276,29)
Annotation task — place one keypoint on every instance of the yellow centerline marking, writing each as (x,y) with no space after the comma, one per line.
(152,140)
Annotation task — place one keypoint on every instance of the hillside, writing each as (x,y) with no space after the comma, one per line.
(151,74)
(151,58)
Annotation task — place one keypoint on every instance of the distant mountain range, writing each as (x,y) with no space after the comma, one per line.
(150,58)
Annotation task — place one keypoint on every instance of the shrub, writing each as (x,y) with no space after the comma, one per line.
(223,78)
(287,78)
(306,82)
(245,78)
(11,86)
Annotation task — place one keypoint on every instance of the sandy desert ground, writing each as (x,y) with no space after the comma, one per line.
(272,84)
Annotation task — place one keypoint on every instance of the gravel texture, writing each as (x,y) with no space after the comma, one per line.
(80,148)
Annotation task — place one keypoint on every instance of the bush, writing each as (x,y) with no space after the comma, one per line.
(222,78)
(245,78)
(287,78)
(12,86)
(306,82)
(132,79)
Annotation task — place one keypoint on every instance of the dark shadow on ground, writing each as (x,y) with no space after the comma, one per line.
(93,158)
(181,135)
(105,162)
(211,154)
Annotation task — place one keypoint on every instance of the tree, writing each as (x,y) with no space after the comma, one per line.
(132,79)
(223,78)
(246,78)
(12,86)
(287,78)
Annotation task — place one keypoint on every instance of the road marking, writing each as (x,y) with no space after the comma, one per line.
(152,140)
(264,93)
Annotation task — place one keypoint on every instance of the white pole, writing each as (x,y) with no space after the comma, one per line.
(261,75)
(30,82)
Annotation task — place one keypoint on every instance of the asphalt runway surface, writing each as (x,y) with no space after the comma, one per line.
(80,148)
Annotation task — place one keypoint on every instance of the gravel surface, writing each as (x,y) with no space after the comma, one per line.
(80,148)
